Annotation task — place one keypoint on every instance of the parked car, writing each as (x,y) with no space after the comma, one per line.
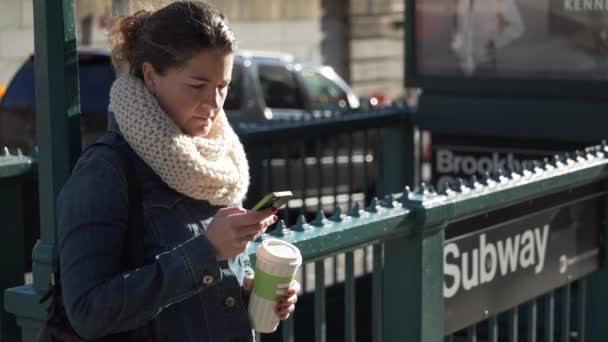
(17,107)
(265,86)
(275,86)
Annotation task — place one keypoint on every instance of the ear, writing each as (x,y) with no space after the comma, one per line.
(150,77)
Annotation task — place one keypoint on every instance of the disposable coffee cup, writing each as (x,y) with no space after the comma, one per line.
(276,265)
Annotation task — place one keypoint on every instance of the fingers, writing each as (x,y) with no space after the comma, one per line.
(294,288)
(250,232)
(286,302)
(284,312)
(286,306)
(251,217)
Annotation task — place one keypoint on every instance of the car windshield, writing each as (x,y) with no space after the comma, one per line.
(324,94)
(280,87)
(17,109)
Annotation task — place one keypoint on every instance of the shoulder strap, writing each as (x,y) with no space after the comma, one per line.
(133,250)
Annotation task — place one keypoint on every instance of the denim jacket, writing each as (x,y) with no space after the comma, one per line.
(188,294)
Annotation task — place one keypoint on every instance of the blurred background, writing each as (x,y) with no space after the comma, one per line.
(362,41)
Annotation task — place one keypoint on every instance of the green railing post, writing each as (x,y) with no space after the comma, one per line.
(399,156)
(58,116)
(255,155)
(15,172)
(413,287)
(596,292)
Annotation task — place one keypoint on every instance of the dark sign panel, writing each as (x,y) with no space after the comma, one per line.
(493,268)
(455,157)
(512,39)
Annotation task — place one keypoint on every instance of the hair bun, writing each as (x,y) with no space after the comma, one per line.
(123,38)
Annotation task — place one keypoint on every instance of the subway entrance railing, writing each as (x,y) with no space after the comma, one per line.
(409,235)
(515,256)
(329,163)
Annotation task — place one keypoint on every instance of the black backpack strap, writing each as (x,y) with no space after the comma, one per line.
(57,325)
(133,250)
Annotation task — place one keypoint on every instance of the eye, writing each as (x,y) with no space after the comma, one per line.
(197,86)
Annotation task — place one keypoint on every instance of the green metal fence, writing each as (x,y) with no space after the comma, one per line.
(17,173)
(407,232)
(329,163)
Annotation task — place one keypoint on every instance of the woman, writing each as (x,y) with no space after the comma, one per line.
(192,171)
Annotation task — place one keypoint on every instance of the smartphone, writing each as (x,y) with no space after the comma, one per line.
(273,199)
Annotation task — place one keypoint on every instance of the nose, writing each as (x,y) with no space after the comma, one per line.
(213,99)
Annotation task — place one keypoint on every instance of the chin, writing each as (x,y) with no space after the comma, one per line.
(200,132)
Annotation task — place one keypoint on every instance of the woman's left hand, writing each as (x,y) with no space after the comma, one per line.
(286,305)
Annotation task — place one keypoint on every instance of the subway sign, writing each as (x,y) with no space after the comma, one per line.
(455,157)
(494,264)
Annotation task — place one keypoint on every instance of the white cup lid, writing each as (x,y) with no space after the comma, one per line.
(279,251)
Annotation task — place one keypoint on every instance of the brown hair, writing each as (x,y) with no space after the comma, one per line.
(169,36)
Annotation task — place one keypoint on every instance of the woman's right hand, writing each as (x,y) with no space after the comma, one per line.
(232,229)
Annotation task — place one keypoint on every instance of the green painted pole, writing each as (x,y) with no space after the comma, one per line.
(58,120)
(413,287)
(58,132)
(12,262)
(320,322)
(596,293)
(513,322)
(399,157)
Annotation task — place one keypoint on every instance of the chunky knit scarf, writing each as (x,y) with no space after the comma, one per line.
(213,168)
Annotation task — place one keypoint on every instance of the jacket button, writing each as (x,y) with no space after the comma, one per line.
(207,280)
(229,302)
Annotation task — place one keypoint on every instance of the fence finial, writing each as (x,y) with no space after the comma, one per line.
(354,211)
(373,205)
(337,215)
(301,225)
(320,219)
(280,230)
(388,201)
(405,196)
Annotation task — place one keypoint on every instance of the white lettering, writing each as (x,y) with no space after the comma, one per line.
(471,280)
(541,247)
(456,164)
(588,5)
(507,255)
(487,255)
(498,162)
(481,264)
(451,270)
(468,166)
(447,162)
(444,161)
(485,165)
(526,255)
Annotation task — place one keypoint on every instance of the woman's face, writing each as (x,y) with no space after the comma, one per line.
(194,93)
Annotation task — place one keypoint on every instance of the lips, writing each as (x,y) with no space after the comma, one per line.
(202,117)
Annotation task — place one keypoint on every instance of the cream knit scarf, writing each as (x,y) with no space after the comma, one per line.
(213,168)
